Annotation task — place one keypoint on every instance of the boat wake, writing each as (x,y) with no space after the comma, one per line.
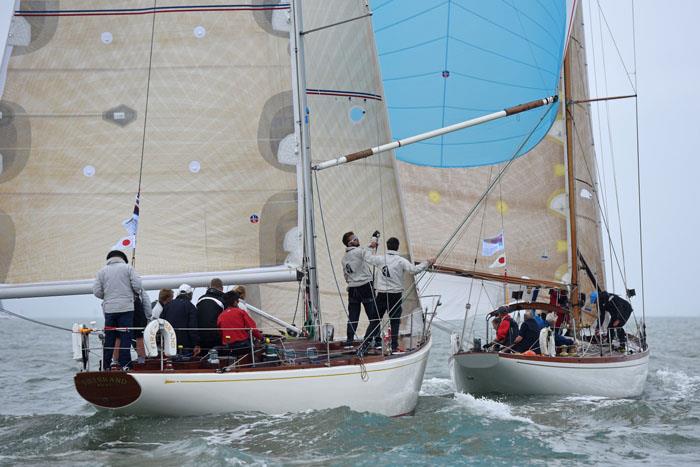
(489,408)
(439,387)
(677,384)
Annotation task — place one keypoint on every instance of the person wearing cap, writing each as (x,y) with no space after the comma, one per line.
(117,283)
(507,329)
(182,315)
(358,275)
(209,307)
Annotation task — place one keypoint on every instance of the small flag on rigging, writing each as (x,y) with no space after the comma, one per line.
(500,262)
(132,224)
(491,246)
(125,243)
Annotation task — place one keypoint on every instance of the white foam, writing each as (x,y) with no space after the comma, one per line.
(488,408)
(680,385)
(437,387)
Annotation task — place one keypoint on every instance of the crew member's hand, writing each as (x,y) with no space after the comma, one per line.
(432,260)
(196,351)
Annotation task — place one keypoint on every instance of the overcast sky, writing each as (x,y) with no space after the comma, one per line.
(667,70)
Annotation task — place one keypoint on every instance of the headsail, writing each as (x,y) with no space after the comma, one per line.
(525,205)
(528,209)
(448,61)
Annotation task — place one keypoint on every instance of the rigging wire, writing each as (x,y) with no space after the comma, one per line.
(639,174)
(328,248)
(42,323)
(622,61)
(601,177)
(612,152)
(597,200)
(145,118)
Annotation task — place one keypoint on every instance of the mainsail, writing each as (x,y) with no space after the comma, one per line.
(190,106)
(504,55)
(109,100)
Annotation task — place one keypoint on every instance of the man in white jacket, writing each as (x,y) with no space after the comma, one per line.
(358,275)
(116,284)
(390,286)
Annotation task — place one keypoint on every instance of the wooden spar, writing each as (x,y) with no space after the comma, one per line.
(498,278)
(599,99)
(573,248)
(439,132)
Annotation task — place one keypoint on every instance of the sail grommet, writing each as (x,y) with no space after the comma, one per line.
(199,32)
(194,167)
(89,170)
(106,37)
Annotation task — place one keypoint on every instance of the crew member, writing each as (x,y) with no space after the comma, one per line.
(390,287)
(359,277)
(620,311)
(209,307)
(116,284)
(235,324)
(182,315)
(529,335)
(507,330)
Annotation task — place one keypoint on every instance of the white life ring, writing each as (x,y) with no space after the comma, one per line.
(150,342)
(547,346)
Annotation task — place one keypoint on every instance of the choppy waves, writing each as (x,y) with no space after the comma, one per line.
(43,421)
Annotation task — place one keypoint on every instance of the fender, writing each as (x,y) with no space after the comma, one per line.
(169,338)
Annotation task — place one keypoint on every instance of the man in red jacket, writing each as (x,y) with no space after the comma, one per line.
(235,323)
(507,329)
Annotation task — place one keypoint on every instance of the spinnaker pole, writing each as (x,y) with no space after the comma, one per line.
(439,132)
(301,116)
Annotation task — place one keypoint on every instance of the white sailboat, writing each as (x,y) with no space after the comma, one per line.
(528,186)
(190,108)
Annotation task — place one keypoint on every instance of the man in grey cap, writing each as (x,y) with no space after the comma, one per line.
(182,315)
(116,284)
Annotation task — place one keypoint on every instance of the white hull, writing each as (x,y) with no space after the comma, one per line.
(391,389)
(614,377)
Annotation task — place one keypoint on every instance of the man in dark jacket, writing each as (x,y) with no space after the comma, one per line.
(529,336)
(182,315)
(209,307)
(620,311)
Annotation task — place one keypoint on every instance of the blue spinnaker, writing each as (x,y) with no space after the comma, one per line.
(445,61)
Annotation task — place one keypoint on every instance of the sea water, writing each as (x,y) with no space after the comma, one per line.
(43,420)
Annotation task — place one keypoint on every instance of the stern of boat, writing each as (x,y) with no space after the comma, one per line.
(107,389)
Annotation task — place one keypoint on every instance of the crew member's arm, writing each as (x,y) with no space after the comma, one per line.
(135,279)
(146,305)
(192,324)
(502,332)
(249,323)
(97,288)
(415,269)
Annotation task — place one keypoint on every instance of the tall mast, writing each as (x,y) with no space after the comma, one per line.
(301,116)
(571,188)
